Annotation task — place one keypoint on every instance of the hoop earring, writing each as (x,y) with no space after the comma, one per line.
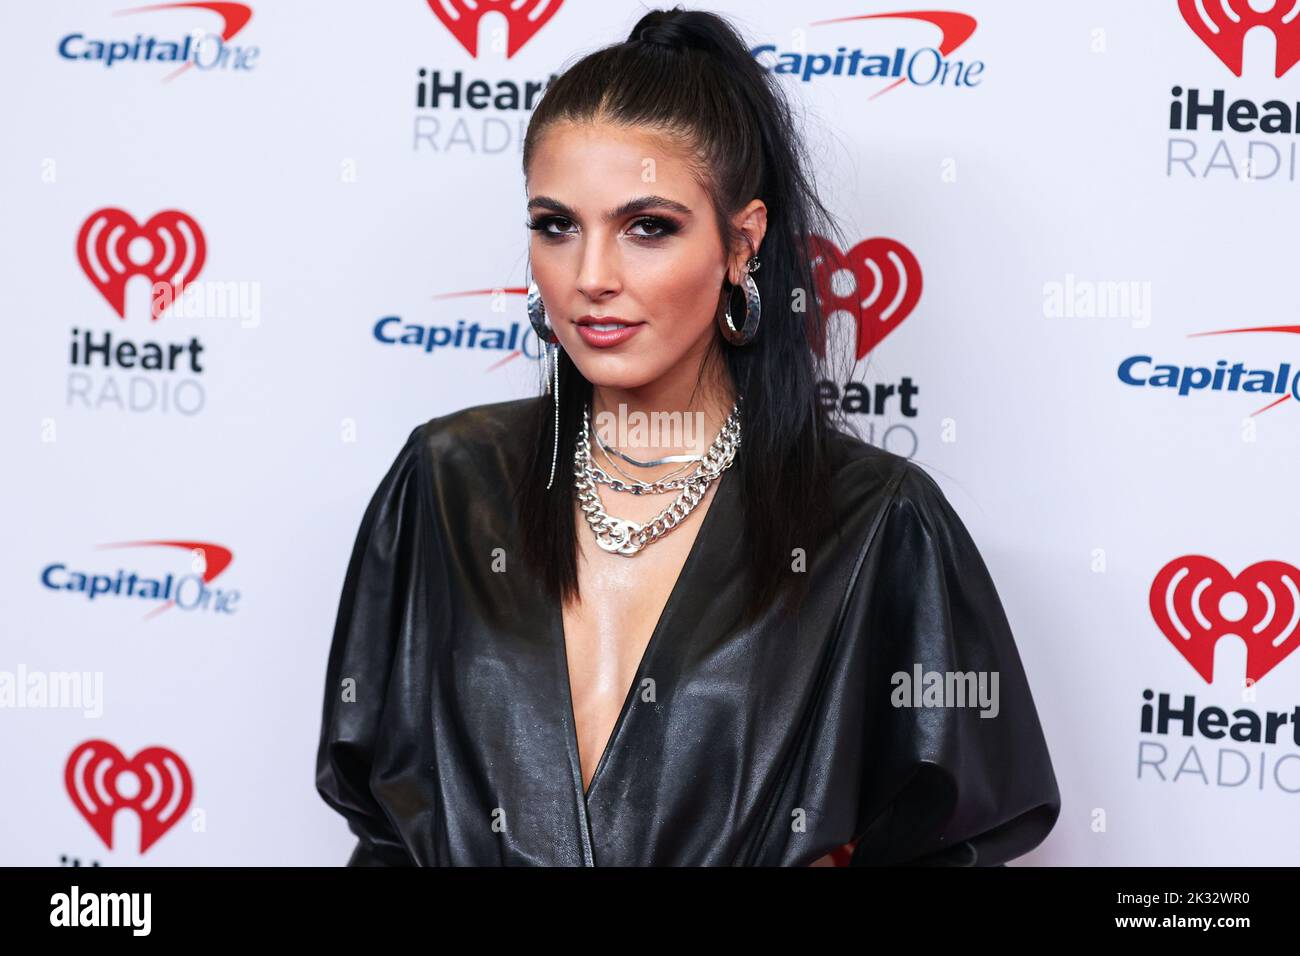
(537,315)
(753,310)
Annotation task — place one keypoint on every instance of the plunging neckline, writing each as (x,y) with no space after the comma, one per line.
(680,585)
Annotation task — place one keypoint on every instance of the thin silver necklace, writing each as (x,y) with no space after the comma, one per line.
(633,479)
(626,537)
(654,463)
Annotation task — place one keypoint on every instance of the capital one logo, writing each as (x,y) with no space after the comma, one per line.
(1195,601)
(169,250)
(1222,25)
(877,282)
(523,19)
(155,783)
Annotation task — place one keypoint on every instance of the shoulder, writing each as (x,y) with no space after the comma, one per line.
(488,422)
(897,492)
(495,427)
(454,457)
(857,463)
(911,526)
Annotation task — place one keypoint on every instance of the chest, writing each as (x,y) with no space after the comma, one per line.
(543,716)
(607,632)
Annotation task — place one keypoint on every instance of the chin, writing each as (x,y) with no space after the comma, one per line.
(612,371)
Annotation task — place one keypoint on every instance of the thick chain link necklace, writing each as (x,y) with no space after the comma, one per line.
(622,536)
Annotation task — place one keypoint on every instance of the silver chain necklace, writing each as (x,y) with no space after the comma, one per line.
(622,536)
(653,463)
(639,486)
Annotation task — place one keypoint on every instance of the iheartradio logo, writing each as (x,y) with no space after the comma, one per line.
(169,250)
(1195,601)
(523,19)
(155,783)
(1222,26)
(877,282)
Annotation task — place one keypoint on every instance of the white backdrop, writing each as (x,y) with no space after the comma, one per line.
(1052,236)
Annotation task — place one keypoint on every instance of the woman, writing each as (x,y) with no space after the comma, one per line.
(735,663)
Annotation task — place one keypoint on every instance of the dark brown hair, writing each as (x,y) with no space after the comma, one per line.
(689,75)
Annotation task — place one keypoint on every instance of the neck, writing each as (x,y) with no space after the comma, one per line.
(662,417)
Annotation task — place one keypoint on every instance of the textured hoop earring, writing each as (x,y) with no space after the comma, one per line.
(753,310)
(537,315)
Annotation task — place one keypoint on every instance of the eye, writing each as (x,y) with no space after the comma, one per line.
(662,227)
(542,225)
(658,228)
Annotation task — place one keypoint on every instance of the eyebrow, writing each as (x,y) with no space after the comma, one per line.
(636,205)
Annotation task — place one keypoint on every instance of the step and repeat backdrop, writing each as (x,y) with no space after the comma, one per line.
(248,247)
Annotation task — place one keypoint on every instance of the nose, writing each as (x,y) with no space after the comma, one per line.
(598,268)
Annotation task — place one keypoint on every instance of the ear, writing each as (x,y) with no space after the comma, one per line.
(752,223)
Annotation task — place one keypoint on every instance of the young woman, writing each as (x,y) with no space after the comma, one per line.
(767,644)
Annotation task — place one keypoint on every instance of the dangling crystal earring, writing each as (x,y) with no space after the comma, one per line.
(537,318)
(553,361)
(753,310)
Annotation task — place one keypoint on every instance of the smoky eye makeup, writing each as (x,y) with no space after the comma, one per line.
(648,228)
(660,228)
(541,224)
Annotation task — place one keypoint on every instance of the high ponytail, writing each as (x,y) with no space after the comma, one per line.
(689,74)
(679,29)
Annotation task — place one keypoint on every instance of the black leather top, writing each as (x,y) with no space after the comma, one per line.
(448,734)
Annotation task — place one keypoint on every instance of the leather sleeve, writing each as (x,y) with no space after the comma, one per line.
(371,609)
(944,785)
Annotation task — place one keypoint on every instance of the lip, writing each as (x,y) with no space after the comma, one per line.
(603,339)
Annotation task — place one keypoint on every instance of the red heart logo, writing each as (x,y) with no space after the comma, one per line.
(161,788)
(524,17)
(1227,36)
(177,251)
(878,282)
(1187,602)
